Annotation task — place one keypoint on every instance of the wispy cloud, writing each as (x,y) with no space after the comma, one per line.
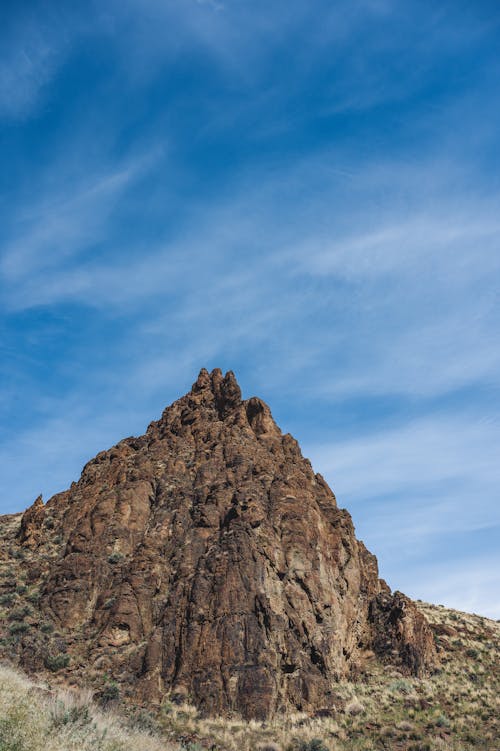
(37,43)
(421,488)
(407,290)
(422,457)
(48,236)
(59,228)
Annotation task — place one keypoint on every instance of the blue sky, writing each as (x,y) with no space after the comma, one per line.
(306,193)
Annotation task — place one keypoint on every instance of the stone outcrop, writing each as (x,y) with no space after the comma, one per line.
(30,531)
(207,560)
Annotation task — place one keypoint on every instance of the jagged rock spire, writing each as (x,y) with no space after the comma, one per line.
(206,558)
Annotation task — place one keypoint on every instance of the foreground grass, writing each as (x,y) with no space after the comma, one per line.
(35,719)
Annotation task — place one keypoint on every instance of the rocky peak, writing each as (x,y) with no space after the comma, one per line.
(206,558)
(221,391)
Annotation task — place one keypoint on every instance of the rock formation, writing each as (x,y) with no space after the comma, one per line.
(207,560)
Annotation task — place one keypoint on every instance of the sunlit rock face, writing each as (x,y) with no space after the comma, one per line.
(207,560)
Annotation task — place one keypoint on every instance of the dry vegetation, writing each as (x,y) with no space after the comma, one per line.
(35,719)
(453,710)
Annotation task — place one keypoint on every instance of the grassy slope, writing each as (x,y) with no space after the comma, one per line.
(35,719)
(453,710)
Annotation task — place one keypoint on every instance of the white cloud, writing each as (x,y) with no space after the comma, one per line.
(41,261)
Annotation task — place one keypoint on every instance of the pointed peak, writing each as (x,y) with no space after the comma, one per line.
(202,382)
(223,389)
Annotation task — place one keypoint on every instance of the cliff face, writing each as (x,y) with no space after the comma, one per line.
(207,559)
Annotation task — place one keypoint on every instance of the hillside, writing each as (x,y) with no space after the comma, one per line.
(454,710)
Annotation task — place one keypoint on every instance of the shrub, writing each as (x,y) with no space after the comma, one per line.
(115,557)
(56,662)
(316,744)
(354,707)
(442,721)
(16,553)
(7,599)
(109,693)
(19,628)
(67,710)
(141,719)
(20,614)
(401,686)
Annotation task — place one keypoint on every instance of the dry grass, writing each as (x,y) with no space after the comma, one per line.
(34,719)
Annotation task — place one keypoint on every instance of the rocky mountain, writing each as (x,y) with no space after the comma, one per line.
(204,560)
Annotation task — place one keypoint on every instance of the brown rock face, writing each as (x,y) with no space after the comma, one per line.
(30,531)
(207,559)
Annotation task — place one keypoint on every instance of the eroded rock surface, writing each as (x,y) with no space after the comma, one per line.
(206,559)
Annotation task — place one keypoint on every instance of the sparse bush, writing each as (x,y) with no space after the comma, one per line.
(442,721)
(354,707)
(401,686)
(110,693)
(316,744)
(404,726)
(18,628)
(144,720)
(67,709)
(56,662)
(20,614)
